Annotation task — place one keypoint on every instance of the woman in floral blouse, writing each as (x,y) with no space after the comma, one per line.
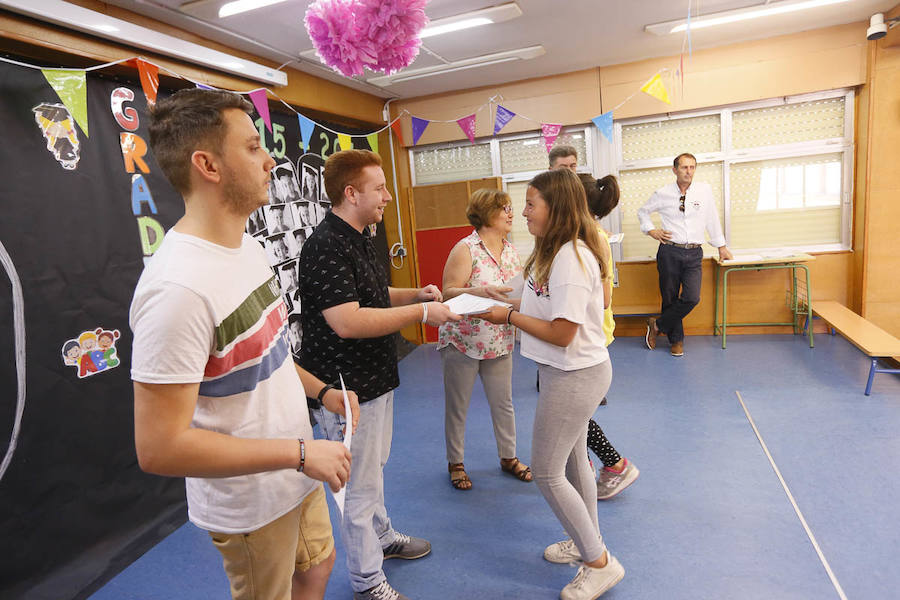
(481,264)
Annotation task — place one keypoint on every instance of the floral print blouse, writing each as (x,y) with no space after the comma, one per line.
(476,337)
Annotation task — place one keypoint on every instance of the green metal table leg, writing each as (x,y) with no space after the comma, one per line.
(724,306)
(716,314)
(809,306)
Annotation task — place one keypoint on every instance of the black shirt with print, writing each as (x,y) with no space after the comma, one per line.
(337,265)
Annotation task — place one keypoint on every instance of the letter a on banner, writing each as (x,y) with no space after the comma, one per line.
(149,75)
(656,88)
(418,127)
(467,124)
(71,87)
(261,103)
(306,129)
(550,131)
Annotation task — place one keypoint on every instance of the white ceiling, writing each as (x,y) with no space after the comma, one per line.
(577,34)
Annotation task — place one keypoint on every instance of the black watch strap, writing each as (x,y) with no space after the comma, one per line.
(322,393)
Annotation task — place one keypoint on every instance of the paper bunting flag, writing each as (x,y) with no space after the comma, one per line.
(656,88)
(467,124)
(345,142)
(306,129)
(605,124)
(372,138)
(550,131)
(71,87)
(149,75)
(261,103)
(202,86)
(395,126)
(418,127)
(503,117)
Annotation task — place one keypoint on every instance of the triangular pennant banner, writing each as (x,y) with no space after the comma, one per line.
(261,103)
(372,138)
(605,124)
(395,126)
(467,124)
(550,131)
(418,127)
(345,142)
(656,88)
(149,75)
(202,86)
(503,117)
(306,129)
(71,87)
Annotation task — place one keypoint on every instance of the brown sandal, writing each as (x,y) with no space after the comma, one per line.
(458,477)
(517,469)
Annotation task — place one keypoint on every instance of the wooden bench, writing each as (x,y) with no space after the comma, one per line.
(868,337)
(634,310)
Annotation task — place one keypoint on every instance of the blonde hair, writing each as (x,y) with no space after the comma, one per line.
(568,221)
(483,204)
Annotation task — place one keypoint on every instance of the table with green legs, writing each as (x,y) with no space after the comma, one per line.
(797,297)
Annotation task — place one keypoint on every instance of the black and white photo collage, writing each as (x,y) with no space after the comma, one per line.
(296,205)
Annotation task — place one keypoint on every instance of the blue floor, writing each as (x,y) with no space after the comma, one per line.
(707,519)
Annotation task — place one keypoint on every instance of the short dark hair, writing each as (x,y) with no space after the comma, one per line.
(683,155)
(483,204)
(562,152)
(186,121)
(345,168)
(602,194)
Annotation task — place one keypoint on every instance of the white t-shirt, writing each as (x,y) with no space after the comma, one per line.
(203,313)
(575,293)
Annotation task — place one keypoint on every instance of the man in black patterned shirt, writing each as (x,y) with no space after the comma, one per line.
(350,315)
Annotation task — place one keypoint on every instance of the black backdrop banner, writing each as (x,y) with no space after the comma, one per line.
(79,216)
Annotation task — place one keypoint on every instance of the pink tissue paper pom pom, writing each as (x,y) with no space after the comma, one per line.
(382,35)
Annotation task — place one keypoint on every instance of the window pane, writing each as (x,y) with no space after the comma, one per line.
(786,202)
(439,165)
(636,187)
(530,154)
(668,139)
(788,124)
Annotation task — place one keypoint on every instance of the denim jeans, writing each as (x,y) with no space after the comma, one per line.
(365,528)
(680,272)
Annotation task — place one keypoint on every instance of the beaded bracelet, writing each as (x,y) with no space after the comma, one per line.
(302,456)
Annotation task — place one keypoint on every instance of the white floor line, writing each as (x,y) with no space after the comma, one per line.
(809,533)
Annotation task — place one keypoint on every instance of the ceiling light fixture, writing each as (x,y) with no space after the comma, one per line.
(741,14)
(70,16)
(475,18)
(240,6)
(459,65)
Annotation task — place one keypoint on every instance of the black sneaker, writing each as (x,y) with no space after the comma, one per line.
(407,547)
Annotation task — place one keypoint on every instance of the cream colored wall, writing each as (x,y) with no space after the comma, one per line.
(811,61)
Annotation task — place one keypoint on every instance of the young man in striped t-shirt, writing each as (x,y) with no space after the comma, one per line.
(217,398)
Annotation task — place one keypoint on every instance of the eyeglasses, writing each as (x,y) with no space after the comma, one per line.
(508,209)
(681,205)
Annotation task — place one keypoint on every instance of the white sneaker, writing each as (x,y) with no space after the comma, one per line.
(591,583)
(563,552)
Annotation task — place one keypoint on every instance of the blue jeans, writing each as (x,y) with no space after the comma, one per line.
(680,272)
(365,528)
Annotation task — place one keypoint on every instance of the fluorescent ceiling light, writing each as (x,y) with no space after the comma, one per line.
(239,6)
(70,16)
(459,65)
(475,18)
(741,14)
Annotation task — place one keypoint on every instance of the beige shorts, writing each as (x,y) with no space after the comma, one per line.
(260,564)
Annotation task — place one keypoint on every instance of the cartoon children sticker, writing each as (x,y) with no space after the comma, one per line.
(92,352)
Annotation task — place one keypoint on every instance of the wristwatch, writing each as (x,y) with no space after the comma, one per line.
(317,401)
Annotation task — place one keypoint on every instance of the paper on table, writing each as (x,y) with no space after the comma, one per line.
(468,304)
(744,258)
(348,436)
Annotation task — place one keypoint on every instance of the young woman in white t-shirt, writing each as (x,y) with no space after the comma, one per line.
(567,288)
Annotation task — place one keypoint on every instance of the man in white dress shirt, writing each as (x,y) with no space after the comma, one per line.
(688,213)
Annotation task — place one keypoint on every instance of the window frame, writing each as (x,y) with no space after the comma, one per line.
(727,155)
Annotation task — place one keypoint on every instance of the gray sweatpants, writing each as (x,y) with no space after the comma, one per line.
(559,461)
